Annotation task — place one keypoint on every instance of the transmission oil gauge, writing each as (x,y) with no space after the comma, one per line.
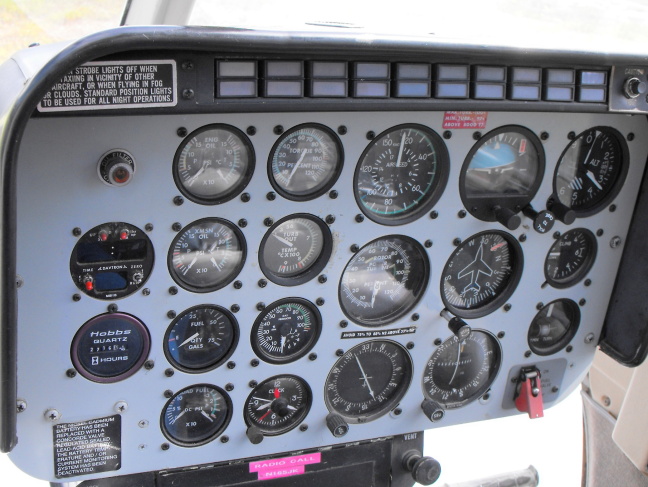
(368,381)
(481,274)
(295,249)
(462,370)
(213,164)
(286,330)
(201,338)
(570,258)
(206,255)
(401,174)
(384,280)
(305,162)
(277,405)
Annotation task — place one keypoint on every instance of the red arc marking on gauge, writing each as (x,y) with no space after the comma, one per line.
(495,247)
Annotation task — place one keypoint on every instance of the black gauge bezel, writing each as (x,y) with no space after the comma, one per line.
(566,338)
(583,270)
(438,184)
(484,388)
(294,421)
(235,272)
(317,330)
(213,436)
(234,190)
(517,264)
(216,363)
(418,293)
(308,195)
(384,407)
(320,262)
(613,192)
(482,207)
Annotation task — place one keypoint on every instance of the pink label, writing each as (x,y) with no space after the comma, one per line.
(284,467)
(465,120)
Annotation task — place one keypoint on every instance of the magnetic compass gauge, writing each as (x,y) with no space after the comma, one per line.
(570,258)
(206,255)
(196,415)
(286,330)
(295,249)
(554,326)
(278,404)
(462,370)
(213,164)
(481,274)
(305,162)
(384,280)
(201,338)
(591,170)
(503,169)
(401,174)
(368,381)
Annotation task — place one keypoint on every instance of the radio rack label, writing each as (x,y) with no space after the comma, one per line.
(87,447)
(379,333)
(109,85)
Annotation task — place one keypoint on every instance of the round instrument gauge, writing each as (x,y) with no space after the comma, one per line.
(570,258)
(213,164)
(591,170)
(305,162)
(278,404)
(554,326)
(401,174)
(286,330)
(481,274)
(503,169)
(384,280)
(201,338)
(196,415)
(206,255)
(462,370)
(368,381)
(295,249)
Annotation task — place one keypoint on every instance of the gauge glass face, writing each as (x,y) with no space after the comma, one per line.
(368,381)
(196,415)
(384,280)
(554,326)
(305,162)
(286,330)
(591,170)
(206,255)
(481,274)
(460,371)
(295,250)
(506,162)
(401,174)
(201,338)
(213,164)
(570,258)
(278,404)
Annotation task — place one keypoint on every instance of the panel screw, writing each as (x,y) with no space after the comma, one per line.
(556,235)
(20,406)
(544,135)
(168,393)
(631,137)
(176,227)
(224,439)
(149,364)
(527,354)
(589,338)
(113,308)
(260,306)
(354,248)
(607,401)
(507,307)
(447,135)
(588,282)
(231,365)
(344,324)
(245,197)
(182,132)
(416,317)
(462,214)
(165,446)
(330,219)
(554,389)
(146,291)
(253,384)
(278,129)
(143,423)
(339,352)
(571,135)
(254,362)
(268,222)
(187,93)
(169,372)
(171,314)
(229,387)
(613,208)
(271,196)
(148,227)
(235,308)
(76,297)
(312,357)
(428,244)
(371,135)
(615,242)
(456,242)
(76,231)
(251,130)
(238,284)
(438,342)
(398,412)
(178,201)
(262,283)
(599,232)
(501,335)
(303,428)
(242,223)
(434,214)
(187,65)
(173,290)
(569,348)
(410,345)
(53,415)
(359,218)
(333,194)
(342,130)
(319,302)
(71,373)
(477,135)
(539,306)
(523,237)
(582,302)
(322,279)
(121,407)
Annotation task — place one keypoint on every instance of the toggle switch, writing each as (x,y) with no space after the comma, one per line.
(528,395)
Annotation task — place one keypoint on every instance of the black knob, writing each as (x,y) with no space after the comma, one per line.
(459,327)
(116,168)
(432,410)
(254,434)
(543,221)
(425,470)
(337,425)
(280,406)
(562,212)
(507,217)
(634,88)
